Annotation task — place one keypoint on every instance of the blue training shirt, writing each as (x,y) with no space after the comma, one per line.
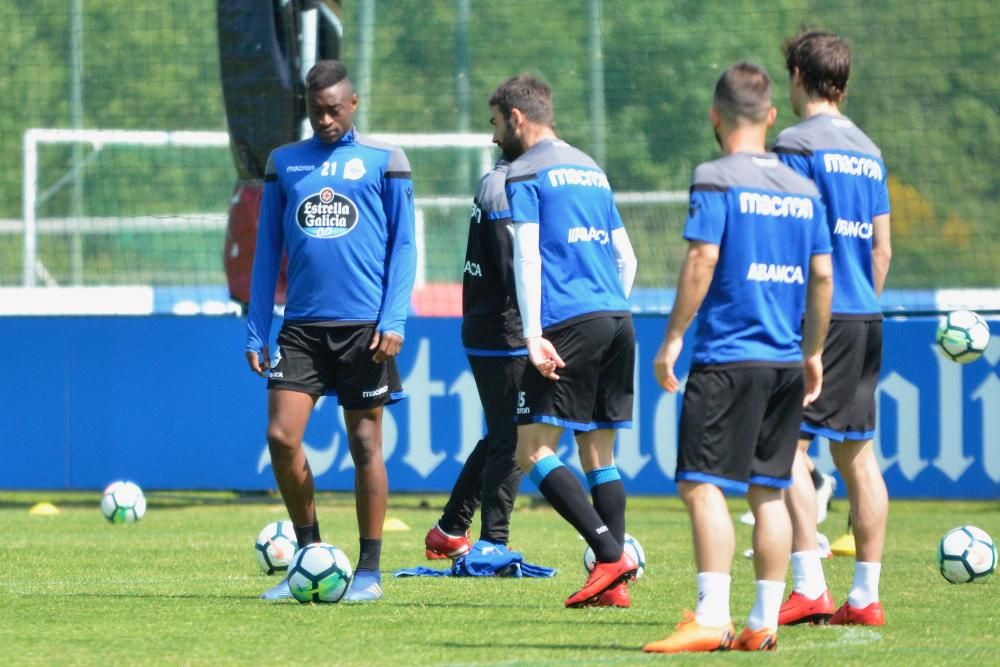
(563,190)
(847,168)
(344,214)
(768,221)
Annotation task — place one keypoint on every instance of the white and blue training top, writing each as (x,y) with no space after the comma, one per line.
(847,168)
(343,212)
(768,222)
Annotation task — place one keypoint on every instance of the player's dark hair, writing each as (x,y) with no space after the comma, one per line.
(743,92)
(823,60)
(529,94)
(324,74)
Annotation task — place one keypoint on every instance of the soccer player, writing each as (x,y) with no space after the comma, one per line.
(341,206)
(491,335)
(848,169)
(758,260)
(574,267)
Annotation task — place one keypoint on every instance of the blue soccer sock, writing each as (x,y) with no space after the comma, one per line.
(566,495)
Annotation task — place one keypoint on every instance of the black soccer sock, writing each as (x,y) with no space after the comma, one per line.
(371,555)
(566,495)
(307,534)
(608,492)
(817,477)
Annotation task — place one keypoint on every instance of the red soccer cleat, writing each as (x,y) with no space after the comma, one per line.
(873,614)
(800,609)
(603,577)
(690,636)
(616,596)
(440,545)
(764,639)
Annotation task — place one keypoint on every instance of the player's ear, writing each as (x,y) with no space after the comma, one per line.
(516,118)
(354,102)
(772,116)
(713,115)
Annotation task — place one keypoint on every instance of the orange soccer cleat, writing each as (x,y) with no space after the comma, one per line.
(603,577)
(800,609)
(764,639)
(692,636)
(440,545)
(873,614)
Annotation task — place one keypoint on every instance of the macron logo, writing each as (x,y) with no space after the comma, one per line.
(299,167)
(758,203)
(377,392)
(775,273)
(852,165)
(591,178)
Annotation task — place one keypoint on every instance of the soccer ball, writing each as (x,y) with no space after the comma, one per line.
(966,554)
(123,502)
(632,548)
(275,547)
(319,572)
(963,335)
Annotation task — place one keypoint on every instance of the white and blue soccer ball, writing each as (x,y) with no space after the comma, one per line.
(963,335)
(632,548)
(275,547)
(967,554)
(319,572)
(123,502)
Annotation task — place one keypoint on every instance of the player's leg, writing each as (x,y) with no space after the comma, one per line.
(536,454)
(363,387)
(371,495)
(448,538)
(607,491)
(498,380)
(774,455)
(288,415)
(722,408)
(869,500)
(810,601)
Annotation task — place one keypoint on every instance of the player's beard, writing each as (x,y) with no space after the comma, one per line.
(510,146)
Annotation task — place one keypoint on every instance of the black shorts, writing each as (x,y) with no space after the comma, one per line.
(335,361)
(594,390)
(852,360)
(739,425)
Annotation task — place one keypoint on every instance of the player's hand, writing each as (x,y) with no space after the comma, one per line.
(386,345)
(259,364)
(813,367)
(663,363)
(544,357)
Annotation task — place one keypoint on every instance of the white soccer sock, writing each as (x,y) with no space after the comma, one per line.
(807,574)
(864,591)
(713,599)
(766,605)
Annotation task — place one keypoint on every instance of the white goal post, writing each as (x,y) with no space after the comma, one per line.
(97,139)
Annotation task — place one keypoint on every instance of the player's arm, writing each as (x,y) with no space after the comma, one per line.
(501,245)
(624,255)
(704,228)
(266,266)
(881,251)
(692,286)
(401,258)
(523,199)
(817,320)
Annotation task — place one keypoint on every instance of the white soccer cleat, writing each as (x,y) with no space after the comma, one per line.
(823,494)
(279,591)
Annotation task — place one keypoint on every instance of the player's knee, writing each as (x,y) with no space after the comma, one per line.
(280,442)
(366,448)
(523,456)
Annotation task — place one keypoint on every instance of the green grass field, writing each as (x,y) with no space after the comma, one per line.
(181,587)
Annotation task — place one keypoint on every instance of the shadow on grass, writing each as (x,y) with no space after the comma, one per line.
(632,648)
